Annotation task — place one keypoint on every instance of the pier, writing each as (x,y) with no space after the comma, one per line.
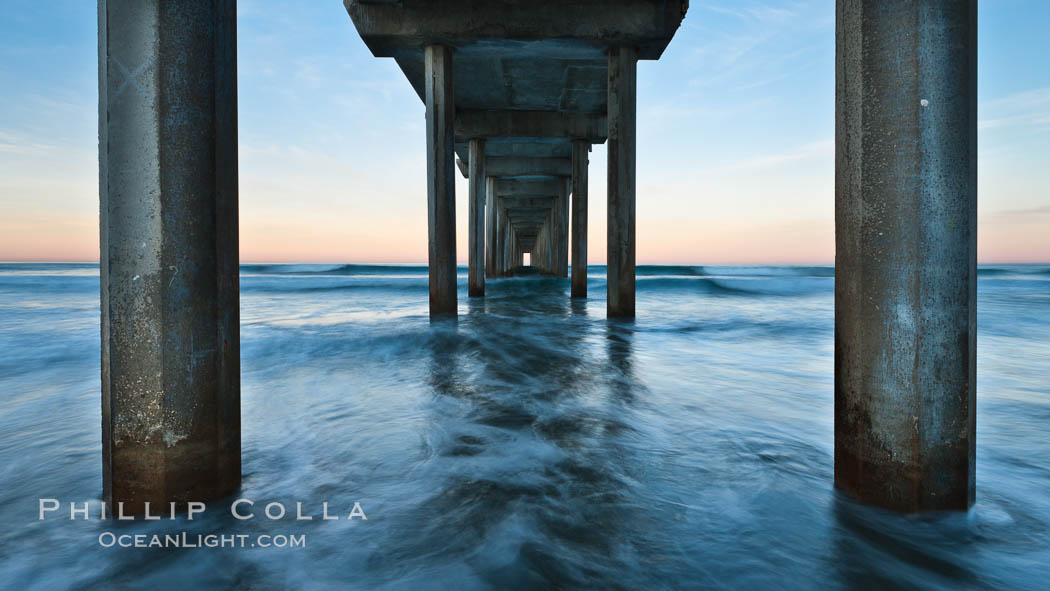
(516,93)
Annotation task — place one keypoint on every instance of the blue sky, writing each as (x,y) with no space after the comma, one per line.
(735,137)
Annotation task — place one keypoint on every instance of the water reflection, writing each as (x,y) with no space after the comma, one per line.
(532,445)
(875,549)
(619,334)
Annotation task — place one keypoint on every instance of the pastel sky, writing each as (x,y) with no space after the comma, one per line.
(735,137)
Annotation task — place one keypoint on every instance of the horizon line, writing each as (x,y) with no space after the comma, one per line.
(459,264)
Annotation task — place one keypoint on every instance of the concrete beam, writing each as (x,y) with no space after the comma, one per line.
(528,212)
(534,202)
(441,185)
(522,148)
(509,123)
(584,26)
(518,219)
(511,166)
(906,253)
(169,252)
(544,188)
(525,209)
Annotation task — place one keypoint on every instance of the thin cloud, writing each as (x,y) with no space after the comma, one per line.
(20,145)
(818,149)
(1029,108)
(1011,215)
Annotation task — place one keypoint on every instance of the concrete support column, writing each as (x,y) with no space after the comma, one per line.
(545,252)
(537,251)
(623,82)
(562,216)
(580,160)
(508,250)
(441,186)
(906,252)
(502,229)
(476,233)
(169,258)
(490,227)
(550,246)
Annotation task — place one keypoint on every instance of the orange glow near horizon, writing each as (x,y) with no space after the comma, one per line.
(664,241)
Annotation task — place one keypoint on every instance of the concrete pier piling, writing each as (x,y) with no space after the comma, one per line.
(502,228)
(476,231)
(441,185)
(508,251)
(623,82)
(169,256)
(490,227)
(580,156)
(906,252)
(562,216)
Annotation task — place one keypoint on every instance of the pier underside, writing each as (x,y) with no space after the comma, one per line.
(530,87)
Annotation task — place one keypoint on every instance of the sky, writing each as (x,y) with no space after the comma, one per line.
(735,138)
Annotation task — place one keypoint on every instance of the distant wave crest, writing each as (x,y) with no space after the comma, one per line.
(348,269)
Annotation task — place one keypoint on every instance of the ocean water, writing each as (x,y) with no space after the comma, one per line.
(533,444)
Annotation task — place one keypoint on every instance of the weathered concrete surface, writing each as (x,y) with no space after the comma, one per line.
(623,82)
(530,124)
(502,230)
(535,168)
(476,238)
(535,188)
(527,202)
(582,26)
(508,247)
(580,160)
(490,227)
(169,256)
(506,166)
(561,229)
(441,185)
(539,250)
(906,244)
